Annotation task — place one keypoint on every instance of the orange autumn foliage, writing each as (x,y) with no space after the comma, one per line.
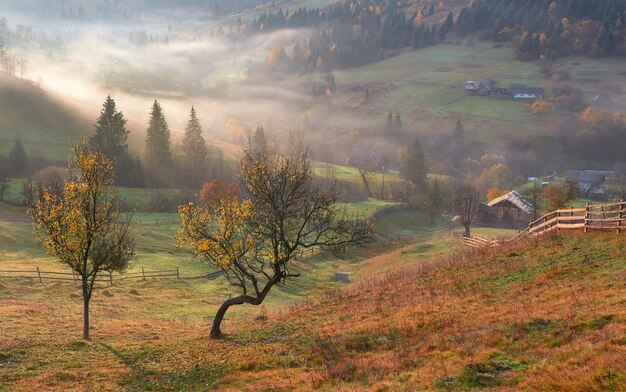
(213,192)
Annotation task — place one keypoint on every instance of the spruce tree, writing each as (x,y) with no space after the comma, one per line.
(413,167)
(18,160)
(111,136)
(398,123)
(434,201)
(158,153)
(259,140)
(194,148)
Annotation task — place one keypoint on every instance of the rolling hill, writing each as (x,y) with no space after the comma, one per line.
(44,124)
(426,88)
(543,315)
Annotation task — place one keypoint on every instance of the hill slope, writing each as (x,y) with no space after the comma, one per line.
(42,122)
(546,315)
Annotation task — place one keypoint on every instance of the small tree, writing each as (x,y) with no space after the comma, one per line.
(413,165)
(533,195)
(18,159)
(254,242)
(29,193)
(258,139)
(465,205)
(212,193)
(366,172)
(434,201)
(83,228)
(558,196)
(4,182)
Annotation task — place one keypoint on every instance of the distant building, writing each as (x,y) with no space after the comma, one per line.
(486,87)
(521,91)
(513,210)
(377,160)
(590,183)
(472,86)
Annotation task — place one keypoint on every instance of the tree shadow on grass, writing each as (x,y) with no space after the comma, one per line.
(201,377)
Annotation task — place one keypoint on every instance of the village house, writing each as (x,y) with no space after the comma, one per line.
(472,86)
(373,159)
(488,87)
(590,183)
(521,91)
(513,210)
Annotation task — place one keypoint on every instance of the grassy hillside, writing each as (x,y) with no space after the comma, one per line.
(426,87)
(542,316)
(44,124)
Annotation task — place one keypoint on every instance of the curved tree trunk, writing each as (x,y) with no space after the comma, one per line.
(216,330)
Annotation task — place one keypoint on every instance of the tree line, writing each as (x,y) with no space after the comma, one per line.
(352,34)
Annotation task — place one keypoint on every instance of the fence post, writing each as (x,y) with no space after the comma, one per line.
(111,277)
(39,273)
(177,273)
(587,208)
(621,216)
(143,273)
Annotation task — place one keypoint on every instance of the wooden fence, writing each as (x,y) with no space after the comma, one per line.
(477,242)
(105,277)
(610,217)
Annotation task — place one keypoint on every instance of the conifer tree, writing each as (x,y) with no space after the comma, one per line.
(398,123)
(413,167)
(111,137)
(194,148)
(259,140)
(158,153)
(434,201)
(18,160)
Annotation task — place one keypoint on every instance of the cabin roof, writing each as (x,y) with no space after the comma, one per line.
(585,176)
(514,198)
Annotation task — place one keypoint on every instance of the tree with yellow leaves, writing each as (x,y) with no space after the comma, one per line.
(83,227)
(255,241)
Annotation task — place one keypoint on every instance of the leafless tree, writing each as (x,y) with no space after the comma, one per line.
(22,64)
(8,61)
(465,205)
(367,171)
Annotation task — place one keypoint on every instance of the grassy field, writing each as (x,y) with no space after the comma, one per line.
(429,93)
(136,198)
(541,316)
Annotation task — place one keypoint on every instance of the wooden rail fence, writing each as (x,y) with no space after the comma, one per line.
(105,277)
(611,216)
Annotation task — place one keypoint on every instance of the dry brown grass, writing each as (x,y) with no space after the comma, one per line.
(546,315)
